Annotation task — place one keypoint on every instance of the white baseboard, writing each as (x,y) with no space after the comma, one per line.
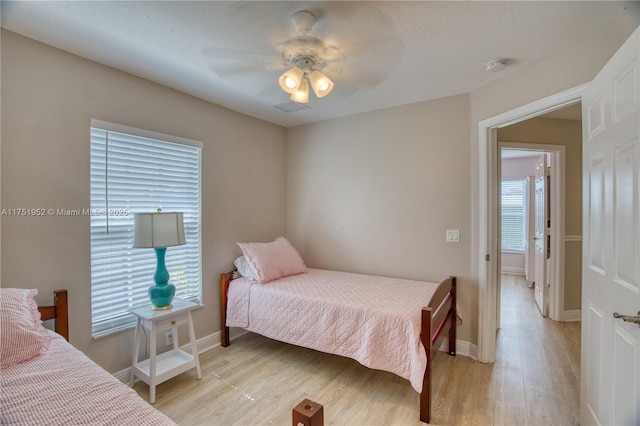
(572,316)
(462,348)
(123,375)
(512,270)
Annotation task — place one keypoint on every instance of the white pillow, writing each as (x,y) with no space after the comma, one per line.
(244,269)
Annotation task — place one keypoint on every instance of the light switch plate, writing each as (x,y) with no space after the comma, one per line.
(453,235)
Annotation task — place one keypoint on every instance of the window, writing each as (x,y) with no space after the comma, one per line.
(514,231)
(135,171)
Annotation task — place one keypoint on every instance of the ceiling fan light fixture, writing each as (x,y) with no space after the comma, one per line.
(301,95)
(320,83)
(290,81)
(306,56)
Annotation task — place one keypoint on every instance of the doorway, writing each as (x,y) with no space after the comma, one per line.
(488,242)
(531,220)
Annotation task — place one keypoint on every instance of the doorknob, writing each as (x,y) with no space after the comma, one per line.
(628,318)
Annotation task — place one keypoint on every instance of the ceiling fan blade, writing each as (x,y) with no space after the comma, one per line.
(237,71)
(226,62)
(272,21)
(252,81)
(231,54)
(350,79)
(333,54)
(333,69)
(275,65)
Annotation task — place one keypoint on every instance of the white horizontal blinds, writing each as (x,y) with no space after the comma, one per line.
(513,215)
(132,174)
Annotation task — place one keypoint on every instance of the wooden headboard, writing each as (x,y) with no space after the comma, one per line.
(59,312)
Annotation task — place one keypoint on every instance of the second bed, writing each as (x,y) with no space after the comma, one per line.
(389,324)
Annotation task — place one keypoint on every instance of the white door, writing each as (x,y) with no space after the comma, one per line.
(610,377)
(541,221)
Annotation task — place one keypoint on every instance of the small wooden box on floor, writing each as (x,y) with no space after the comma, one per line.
(308,413)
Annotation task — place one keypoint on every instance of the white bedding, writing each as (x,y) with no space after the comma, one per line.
(374,320)
(64,387)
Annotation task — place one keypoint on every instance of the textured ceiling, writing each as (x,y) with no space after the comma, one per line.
(394,52)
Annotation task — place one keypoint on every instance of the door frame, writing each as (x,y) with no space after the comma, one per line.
(557,217)
(488,249)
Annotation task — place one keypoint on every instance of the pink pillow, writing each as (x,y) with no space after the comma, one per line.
(22,335)
(273,260)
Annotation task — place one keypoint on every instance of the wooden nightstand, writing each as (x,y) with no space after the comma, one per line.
(159,368)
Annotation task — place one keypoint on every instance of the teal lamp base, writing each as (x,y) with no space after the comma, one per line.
(161,296)
(161,293)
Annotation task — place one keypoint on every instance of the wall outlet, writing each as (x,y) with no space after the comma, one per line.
(168,338)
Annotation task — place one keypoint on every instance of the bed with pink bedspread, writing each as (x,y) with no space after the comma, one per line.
(62,386)
(367,318)
(389,324)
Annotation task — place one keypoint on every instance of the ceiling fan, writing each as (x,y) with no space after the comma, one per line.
(307,56)
(286,51)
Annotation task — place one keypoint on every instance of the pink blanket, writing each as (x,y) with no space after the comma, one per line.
(374,320)
(64,387)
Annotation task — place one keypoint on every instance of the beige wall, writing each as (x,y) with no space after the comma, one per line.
(567,133)
(48,99)
(375,193)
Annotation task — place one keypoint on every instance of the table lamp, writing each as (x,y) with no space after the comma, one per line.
(159,231)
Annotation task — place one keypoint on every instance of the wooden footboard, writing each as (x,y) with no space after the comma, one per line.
(59,312)
(438,322)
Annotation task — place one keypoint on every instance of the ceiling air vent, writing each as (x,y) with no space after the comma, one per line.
(291,106)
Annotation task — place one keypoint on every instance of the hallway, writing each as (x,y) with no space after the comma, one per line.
(538,359)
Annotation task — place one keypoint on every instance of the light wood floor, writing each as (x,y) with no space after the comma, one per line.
(257,381)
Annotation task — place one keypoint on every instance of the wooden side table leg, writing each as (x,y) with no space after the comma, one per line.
(194,346)
(136,348)
(152,364)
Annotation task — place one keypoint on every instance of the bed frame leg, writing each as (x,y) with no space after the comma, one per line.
(425,395)
(224,337)
(425,400)
(225,279)
(454,318)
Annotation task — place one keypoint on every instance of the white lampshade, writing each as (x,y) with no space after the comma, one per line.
(302,94)
(290,80)
(155,230)
(320,83)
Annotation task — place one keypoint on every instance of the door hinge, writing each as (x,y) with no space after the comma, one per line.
(486,258)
